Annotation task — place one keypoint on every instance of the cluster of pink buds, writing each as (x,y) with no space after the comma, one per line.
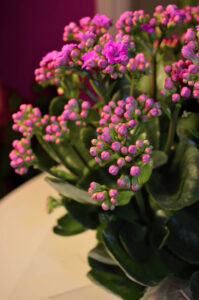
(48,72)
(27,120)
(169,16)
(97,25)
(22,157)
(170,42)
(191,14)
(115,144)
(73,111)
(107,197)
(182,81)
(130,21)
(55,129)
(140,64)
(128,112)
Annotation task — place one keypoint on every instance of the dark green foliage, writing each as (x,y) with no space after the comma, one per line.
(68,226)
(175,185)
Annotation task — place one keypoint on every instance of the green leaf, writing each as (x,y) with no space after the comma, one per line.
(117,284)
(188,128)
(147,273)
(86,214)
(69,191)
(151,129)
(194,285)
(124,197)
(100,254)
(183,240)
(57,105)
(145,173)
(68,226)
(127,212)
(159,158)
(133,238)
(175,185)
(63,174)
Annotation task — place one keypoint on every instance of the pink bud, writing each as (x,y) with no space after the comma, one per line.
(132,149)
(105,155)
(113,170)
(113,193)
(135,171)
(116,146)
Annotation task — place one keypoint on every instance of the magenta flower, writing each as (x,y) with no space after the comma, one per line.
(101,20)
(147,27)
(115,52)
(89,59)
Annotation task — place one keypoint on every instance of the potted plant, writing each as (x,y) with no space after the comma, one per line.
(122,139)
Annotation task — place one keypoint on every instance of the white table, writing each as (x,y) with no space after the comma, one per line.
(35,263)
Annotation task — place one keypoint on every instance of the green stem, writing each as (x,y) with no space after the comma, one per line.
(62,160)
(154,76)
(146,46)
(131,88)
(172,128)
(96,89)
(81,157)
(140,203)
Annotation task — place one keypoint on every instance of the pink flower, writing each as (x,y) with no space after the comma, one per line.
(101,20)
(185,92)
(147,27)
(115,52)
(89,59)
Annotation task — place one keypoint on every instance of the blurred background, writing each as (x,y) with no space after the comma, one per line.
(28,30)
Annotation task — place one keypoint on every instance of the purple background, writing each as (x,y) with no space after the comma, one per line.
(28,30)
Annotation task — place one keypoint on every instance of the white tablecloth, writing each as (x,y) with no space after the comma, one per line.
(35,263)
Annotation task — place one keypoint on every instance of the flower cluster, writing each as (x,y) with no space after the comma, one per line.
(87,29)
(74,112)
(182,81)
(22,156)
(92,48)
(107,197)
(191,14)
(131,22)
(115,144)
(27,120)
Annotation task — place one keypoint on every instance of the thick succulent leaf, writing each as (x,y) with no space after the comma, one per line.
(69,191)
(147,273)
(151,130)
(159,158)
(124,197)
(64,175)
(175,185)
(68,226)
(194,285)
(117,284)
(127,212)
(100,254)
(145,174)
(183,240)
(86,214)
(133,239)
(57,105)
(188,128)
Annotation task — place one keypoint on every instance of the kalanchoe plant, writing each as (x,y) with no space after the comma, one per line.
(123,138)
